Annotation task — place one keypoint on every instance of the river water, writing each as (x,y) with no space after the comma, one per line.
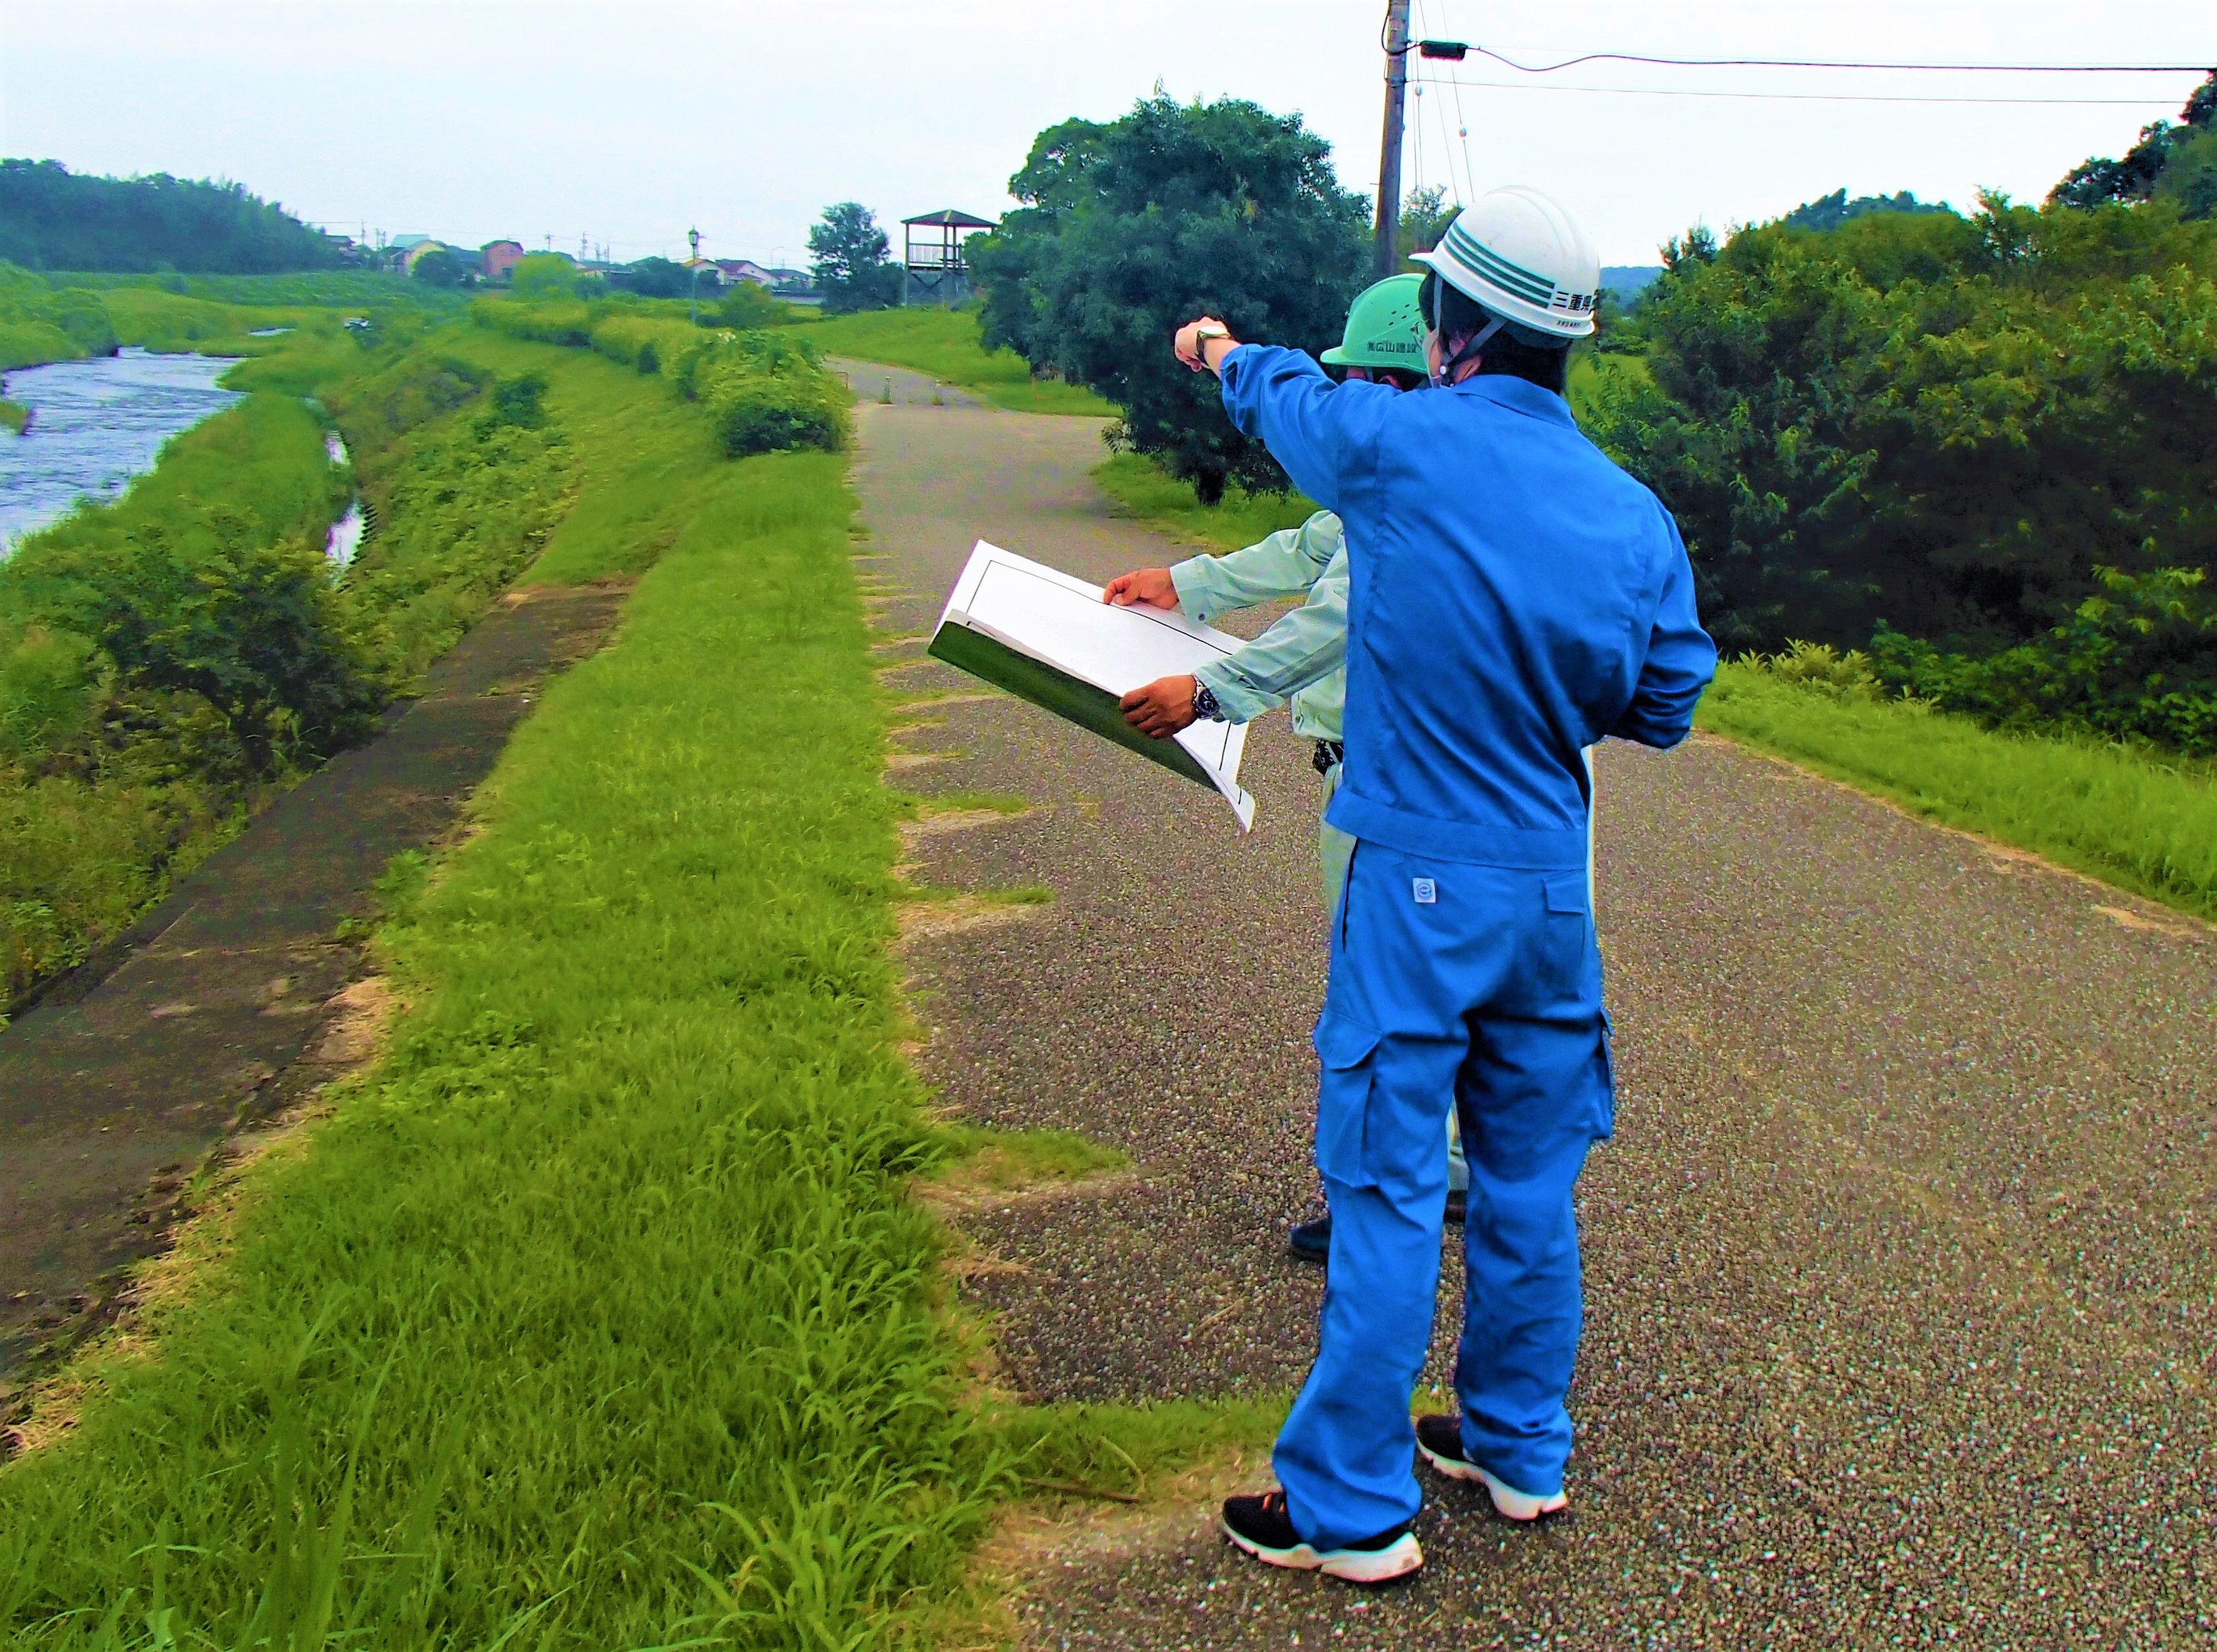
(95,425)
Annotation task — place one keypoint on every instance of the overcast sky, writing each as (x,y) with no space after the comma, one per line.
(627,123)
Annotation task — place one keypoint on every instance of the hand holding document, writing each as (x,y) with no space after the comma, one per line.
(1049,639)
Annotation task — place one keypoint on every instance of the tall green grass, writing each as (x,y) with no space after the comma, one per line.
(266,454)
(354,288)
(763,392)
(599,1315)
(2119,814)
(943,343)
(463,499)
(638,446)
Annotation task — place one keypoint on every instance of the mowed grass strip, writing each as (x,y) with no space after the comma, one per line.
(1143,490)
(596,1316)
(2123,816)
(944,345)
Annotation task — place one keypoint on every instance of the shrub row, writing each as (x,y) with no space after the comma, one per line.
(765,390)
(167,660)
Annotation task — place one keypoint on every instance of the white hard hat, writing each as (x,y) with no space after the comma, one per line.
(1518,254)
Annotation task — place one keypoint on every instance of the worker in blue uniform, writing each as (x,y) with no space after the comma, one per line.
(1514,597)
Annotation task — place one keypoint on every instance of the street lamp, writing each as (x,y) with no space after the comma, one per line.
(692,304)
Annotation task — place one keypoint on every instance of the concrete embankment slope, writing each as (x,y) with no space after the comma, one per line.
(1900,1309)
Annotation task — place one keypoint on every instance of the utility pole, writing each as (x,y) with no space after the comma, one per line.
(1385,251)
(692,304)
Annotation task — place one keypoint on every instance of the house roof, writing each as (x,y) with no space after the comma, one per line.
(949,218)
(404,242)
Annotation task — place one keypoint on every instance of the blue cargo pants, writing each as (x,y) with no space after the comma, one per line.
(1333,848)
(1477,988)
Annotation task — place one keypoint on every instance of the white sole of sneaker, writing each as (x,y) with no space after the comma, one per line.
(1508,1502)
(1399,1558)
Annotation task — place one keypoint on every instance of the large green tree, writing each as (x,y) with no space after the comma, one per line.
(660,278)
(441,267)
(1131,228)
(851,261)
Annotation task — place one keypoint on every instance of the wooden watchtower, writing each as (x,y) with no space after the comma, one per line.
(932,252)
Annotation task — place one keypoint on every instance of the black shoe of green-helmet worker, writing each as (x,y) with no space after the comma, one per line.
(1263,1527)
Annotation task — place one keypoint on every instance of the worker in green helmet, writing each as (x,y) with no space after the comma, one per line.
(1299,658)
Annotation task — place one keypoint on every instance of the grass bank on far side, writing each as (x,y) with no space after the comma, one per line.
(1142,490)
(2127,816)
(597,1315)
(944,345)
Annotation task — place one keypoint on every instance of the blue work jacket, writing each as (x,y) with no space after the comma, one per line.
(1514,597)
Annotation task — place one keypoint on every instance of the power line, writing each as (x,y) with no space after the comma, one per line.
(1455,185)
(1798,63)
(1801,98)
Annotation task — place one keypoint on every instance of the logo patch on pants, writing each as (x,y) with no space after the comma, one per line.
(1424,890)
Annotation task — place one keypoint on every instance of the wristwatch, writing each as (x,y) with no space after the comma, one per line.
(1203,333)
(1204,701)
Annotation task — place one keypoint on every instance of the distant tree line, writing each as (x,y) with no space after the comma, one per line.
(54,219)
(1830,212)
(2170,163)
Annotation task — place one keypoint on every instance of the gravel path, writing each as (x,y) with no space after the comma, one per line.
(1900,1302)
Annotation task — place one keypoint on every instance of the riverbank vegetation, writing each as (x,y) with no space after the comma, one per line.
(357,288)
(164,660)
(169,660)
(52,317)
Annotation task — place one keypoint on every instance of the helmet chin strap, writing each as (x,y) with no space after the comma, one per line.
(1471,346)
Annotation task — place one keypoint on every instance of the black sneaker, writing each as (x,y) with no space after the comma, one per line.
(1311,1241)
(1458,1202)
(1439,1439)
(1261,1527)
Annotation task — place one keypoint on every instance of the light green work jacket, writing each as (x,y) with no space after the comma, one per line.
(1302,656)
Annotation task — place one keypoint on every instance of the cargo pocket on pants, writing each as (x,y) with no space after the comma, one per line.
(1345,1047)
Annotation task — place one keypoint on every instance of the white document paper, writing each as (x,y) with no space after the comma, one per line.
(1047,615)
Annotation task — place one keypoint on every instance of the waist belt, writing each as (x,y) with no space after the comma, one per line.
(1327,753)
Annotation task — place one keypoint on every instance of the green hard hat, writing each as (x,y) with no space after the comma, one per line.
(1383,328)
